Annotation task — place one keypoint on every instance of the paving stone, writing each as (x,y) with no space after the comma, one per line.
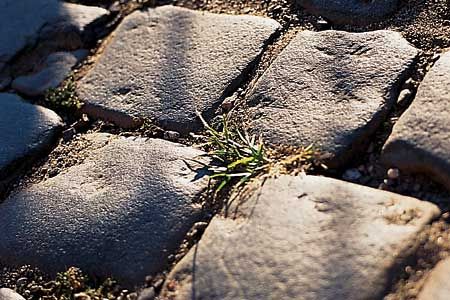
(120,213)
(358,12)
(437,285)
(26,131)
(25,22)
(53,72)
(331,89)
(420,140)
(8,294)
(168,62)
(302,238)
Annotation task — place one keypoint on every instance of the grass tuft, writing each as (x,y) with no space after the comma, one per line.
(64,97)
(240,156)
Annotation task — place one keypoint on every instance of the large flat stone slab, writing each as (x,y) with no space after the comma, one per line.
(166,63)
(32,30)
(26,131)
(420,140)
(120,213)
(437,285)
(23,23)
(52,73)
(331,89)
(302,238)
(357,12)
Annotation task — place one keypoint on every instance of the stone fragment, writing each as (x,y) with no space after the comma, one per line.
(420,140)
(169,62)
(305,238)
(331,89)
(352,175)
(53,72)
(23,23)
(437,285)
(26,131)
(119,213)
(356,12)
(8,294)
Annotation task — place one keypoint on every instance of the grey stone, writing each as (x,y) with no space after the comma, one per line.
(8,294)
(169,62)
(53,72)
(437,285)
(352,175)
(147,294)
(26,131)
(23,23)
(331,89)
(303,238)
(357,12)
(119,213)
(420,140)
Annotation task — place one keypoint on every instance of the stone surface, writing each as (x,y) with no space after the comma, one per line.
(26,130)
(437,285)
(420,140)
(331,89)
(24,23)
(52,73)
(168,62)
(302,238)
(358,12)
(8,294)
(120,213)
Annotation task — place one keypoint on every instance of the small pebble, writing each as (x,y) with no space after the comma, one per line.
(393,174)
(404,96)
(389,182)
(352,175)
(171,135)
(323,25)
(147,294)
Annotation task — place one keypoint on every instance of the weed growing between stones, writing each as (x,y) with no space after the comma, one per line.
(64,98)
(242,156)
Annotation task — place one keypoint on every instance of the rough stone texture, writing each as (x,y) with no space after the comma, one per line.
(25,131)
(8,294)
(331,89)
(54,70)
(437,286)
(168,62)
(302,238)
(358,12)
(420,140)
(120,213)
(25,22)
